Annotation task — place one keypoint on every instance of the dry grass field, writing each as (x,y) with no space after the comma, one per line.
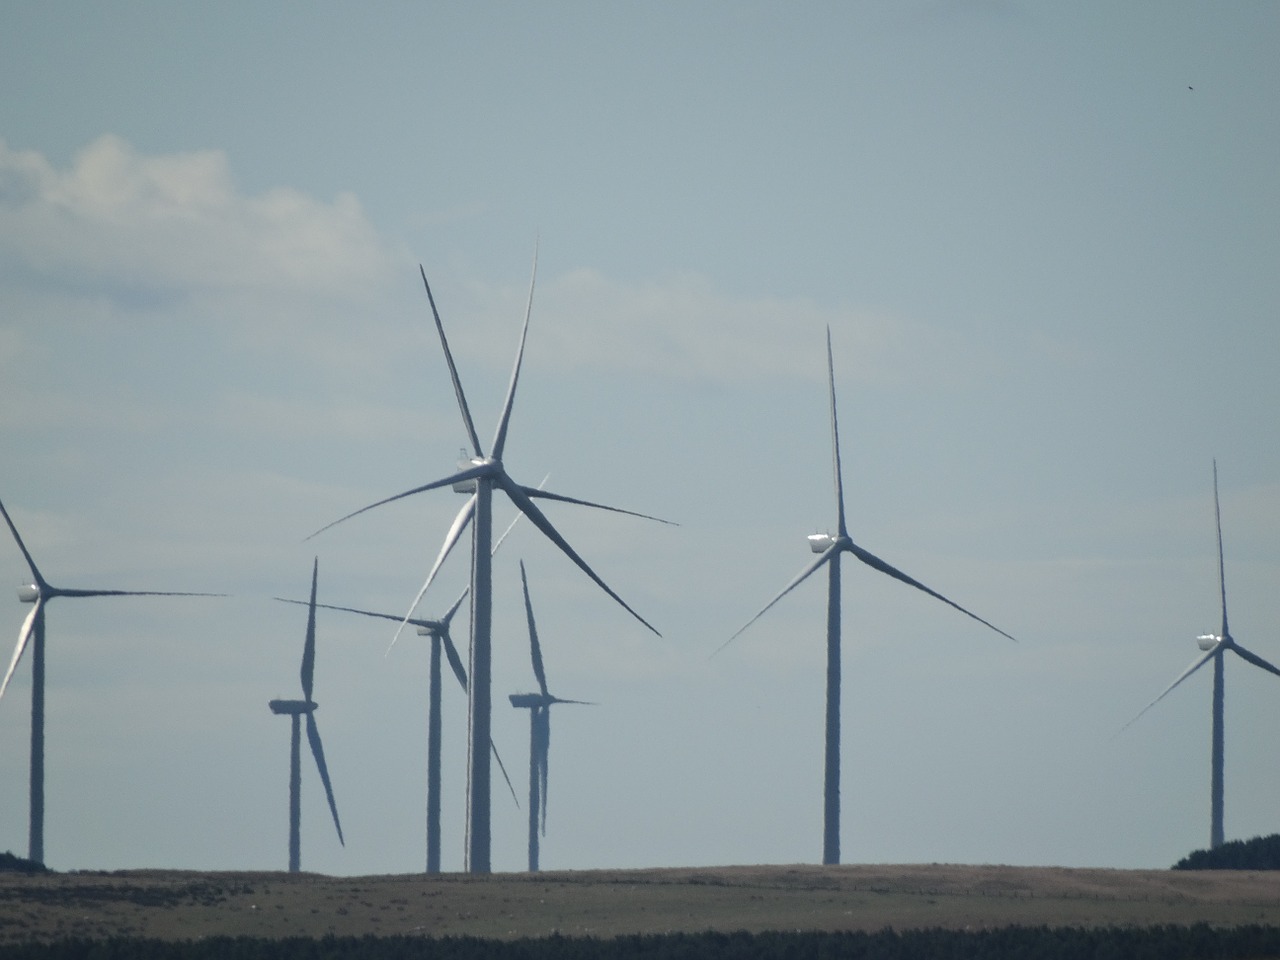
(178,905)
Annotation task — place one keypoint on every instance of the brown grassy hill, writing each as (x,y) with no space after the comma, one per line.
(181,905)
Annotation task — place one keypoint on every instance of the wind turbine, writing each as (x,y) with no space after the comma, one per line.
(489,474)
(829,549)
(1215,647)
(438,631)
(539,707)
(294,709)
(40,592)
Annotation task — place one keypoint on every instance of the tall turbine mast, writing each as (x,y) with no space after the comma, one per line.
(829,549)
(539,706)
(1214,647)
(490,475)
(40,592)
(295,710)
(441,642)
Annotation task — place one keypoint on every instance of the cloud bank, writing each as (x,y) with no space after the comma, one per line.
(121,236)
(178,221)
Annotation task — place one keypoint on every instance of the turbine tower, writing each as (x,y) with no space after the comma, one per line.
(489,475)
(438,631)
(829,549)
(40,592)
(1215,647)
(539,707)
(294,709)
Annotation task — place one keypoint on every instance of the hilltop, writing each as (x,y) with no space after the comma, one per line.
(176,905)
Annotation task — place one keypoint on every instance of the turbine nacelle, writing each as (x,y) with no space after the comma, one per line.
(28,592)
(1208,641)
(490,467)
(821,542)
(530,701)
(465,486)
(291,707)
(431,631)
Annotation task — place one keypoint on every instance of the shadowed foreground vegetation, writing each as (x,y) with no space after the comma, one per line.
(11,863)
(1260,853)
(854,911)
(1043,943)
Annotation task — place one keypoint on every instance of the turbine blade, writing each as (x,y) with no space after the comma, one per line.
(531,491)
(364,613)
(1253,658)
(503,768)
(467,474)
(876,563)
(835,441)
(42,582)
(63,592)
(453,370)
(535,649)
(1222,575)
(511,526)
(455,661)
(309,647)
(451,538)
(799,578)
(31,564)
(1196,664)
(24,634)
(547,495)
(317,751)
(500,436)
(539,520)
(444,621)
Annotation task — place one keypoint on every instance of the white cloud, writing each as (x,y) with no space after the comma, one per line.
(149,289)
(120,236)
(683,327)
(177,221)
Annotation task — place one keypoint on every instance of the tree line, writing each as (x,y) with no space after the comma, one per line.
(1043,943)
(1260,853)
(11,863)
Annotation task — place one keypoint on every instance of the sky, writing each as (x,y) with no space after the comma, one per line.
(1044,239)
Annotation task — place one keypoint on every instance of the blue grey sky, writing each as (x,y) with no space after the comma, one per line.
(1044,237)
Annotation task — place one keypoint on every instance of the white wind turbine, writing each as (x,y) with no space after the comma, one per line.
(294,709)
(41,592)
(1215,647)
(489,474)
(539,706)
(438,631)
(829,549)
(441,643)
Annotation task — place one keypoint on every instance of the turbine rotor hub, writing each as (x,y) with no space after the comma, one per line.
(465,463)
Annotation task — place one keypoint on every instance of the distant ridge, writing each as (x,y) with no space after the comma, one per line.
(582,906)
